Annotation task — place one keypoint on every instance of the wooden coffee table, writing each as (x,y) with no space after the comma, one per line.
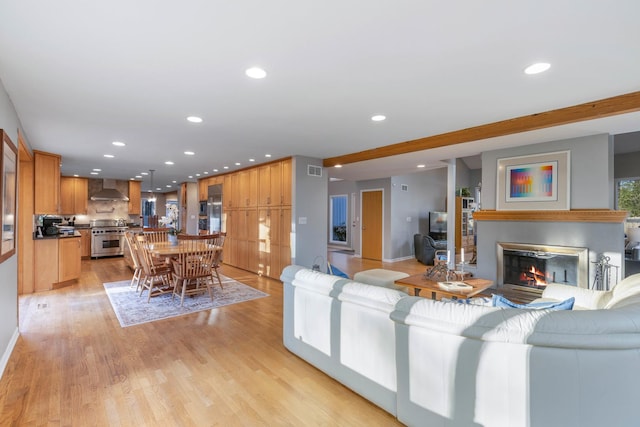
(419,282)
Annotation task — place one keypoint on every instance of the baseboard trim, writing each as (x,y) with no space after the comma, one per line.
(7,353)
(399,259)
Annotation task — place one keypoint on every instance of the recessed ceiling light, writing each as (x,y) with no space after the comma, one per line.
(197,174)
(175,182)
(194,119)
(538,67)
(168,162)
(118,143)
(168,186)
(158,189)
(109,156)
(97,170)
(144,173)
(94,173)
(225,167)
(215,170)
(252,160)
(138,176)
(190,177)
(337,166)
(256,73)
(132,179)
(189,153)
(421,166)
(267,155)
(205,172)
(237,163)
(378,118)
(76,175)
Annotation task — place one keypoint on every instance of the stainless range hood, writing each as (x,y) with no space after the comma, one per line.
(109,192)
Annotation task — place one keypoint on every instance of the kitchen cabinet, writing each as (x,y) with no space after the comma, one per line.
(85,243)
(74,195)
(46,182)
(287,179)
(69,264)
(135,206)
(56,262)
(274,184)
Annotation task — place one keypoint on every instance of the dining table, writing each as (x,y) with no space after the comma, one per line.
(168,249)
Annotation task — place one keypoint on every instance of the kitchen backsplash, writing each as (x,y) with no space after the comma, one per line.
(110,209)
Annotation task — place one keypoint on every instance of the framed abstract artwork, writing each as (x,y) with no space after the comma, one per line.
(534,182)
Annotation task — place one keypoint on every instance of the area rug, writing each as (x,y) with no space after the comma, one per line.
(132,309)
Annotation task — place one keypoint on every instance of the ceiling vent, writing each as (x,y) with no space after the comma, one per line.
(313,170)
(109,192)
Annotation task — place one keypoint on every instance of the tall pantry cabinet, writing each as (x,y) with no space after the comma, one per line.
(257,218)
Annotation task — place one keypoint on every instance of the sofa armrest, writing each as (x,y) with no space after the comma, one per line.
(585,298)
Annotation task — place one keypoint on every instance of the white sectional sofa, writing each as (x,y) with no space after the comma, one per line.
(470,365)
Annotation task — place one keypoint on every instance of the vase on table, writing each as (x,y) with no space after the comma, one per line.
(173,239)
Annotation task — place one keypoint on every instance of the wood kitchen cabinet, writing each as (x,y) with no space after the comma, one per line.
(85,243)
(69,264)
(46,182)
(257,218)
(74,195)
(56,262)
(135,205)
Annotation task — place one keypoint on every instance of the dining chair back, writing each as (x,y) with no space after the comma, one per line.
(157,276)
(130,237)
(192,272)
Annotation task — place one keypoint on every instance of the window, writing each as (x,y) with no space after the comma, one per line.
(338,218)
(628,196)
(148,210)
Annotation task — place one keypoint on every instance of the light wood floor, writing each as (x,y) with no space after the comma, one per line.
(73,364)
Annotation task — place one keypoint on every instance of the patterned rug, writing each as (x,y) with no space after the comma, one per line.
(132,309)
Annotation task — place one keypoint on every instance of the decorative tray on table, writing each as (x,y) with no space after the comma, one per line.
(455,286)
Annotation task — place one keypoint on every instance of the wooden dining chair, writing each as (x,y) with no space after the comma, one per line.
(157,276)
(192,267)
(155,235)
(138,271)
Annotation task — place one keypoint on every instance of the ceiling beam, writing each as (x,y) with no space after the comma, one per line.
(602,108)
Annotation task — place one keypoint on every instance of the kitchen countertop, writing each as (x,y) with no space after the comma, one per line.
(58,236)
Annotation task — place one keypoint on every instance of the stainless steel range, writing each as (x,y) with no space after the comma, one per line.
(107,237)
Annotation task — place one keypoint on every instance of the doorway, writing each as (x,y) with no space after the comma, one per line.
(372,221)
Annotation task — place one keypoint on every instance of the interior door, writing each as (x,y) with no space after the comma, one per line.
(372,225)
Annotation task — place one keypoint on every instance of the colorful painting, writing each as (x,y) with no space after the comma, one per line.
(532,182)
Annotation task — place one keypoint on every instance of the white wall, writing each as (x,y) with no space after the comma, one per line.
(9,122)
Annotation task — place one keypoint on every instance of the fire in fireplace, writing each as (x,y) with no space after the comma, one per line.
(529,267)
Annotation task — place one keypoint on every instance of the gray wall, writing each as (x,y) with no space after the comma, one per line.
(591,177)
(627,165)
(410,209)
(309,219)
(591,187)
(9,268)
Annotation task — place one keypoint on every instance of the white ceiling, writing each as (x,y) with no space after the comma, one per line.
(84,74)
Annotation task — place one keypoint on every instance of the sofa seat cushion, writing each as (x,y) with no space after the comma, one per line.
(381,277)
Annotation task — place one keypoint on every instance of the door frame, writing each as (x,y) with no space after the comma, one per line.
(368,190)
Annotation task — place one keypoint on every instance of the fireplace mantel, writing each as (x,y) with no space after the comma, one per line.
(574,215)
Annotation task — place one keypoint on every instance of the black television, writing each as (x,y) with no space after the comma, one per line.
(438,225)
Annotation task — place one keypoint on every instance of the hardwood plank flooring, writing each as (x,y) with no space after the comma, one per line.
(73,364)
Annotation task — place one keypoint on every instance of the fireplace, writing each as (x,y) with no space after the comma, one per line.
(526,269)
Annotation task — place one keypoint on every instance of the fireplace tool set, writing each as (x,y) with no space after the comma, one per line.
(602,279)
